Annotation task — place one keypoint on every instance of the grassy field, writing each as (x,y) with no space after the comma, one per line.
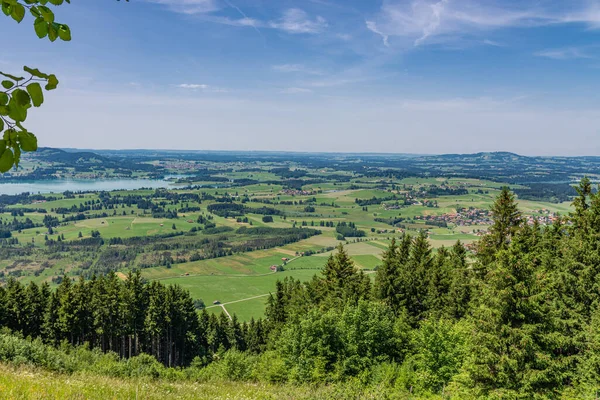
(34,384)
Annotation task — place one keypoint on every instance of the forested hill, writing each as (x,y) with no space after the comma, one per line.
(499,166)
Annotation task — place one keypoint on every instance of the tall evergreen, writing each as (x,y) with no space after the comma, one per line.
(506,221)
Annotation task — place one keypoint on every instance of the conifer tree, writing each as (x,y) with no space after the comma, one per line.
(35,307)
(460,291)
(507,220)
(387,280)
(516,350)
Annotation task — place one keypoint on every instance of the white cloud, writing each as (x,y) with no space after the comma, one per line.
(493,43)
(296,90)
(432,21)
(189,6)
(201,87)
(372,26)
(296,68)
(566,53)
(295,20)
(193,86)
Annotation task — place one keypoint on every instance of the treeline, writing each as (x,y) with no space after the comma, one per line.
(128,318)
(378,200)
(348,229)
(550,192)
(436,191)
(229,210)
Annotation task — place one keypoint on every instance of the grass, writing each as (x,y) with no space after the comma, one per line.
(30,383)
(254,263)
(26,383)
(226,288)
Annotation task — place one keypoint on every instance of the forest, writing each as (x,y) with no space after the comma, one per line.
(518,319)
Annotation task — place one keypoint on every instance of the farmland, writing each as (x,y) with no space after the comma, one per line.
(231,228)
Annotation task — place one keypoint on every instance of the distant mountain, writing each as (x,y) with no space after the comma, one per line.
(57,155)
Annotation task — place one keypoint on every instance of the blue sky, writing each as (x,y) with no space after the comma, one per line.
(417,76)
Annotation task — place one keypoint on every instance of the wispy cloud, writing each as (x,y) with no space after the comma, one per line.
(292,20)
(493,43)
(296,90)
(566,53)
(201,87)
(189,6)
(299,68)
(372,26)
(431,21)
(295,20)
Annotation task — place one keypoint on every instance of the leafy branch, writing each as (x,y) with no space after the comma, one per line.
(21,93)
(18,96)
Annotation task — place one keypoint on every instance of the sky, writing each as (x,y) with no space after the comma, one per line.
(405,76)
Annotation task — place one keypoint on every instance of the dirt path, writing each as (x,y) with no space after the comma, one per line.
(226,312)
(238,301)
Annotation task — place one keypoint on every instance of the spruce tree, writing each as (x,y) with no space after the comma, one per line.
(517,348)
(507,220)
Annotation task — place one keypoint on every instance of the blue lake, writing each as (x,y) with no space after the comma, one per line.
(59,186)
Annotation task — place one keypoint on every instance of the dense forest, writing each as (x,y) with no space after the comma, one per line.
(518,319)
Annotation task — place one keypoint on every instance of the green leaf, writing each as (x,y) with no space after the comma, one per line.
(41,27)
(17,156)
(7,84)
(14,78)
(22,98)
(28,141)
(35,72)
(52,82)
(18,12)
(47,14)
(1,124)
(6,9)
(6,160)
(64,32)
(16,111)
(35,91)
(3,99)
(52,31)
(10,136)
(35,12)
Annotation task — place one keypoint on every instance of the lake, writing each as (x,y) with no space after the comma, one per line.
(59,186)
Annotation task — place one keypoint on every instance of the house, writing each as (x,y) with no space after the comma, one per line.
(216,302)
(285,259)
(274,268)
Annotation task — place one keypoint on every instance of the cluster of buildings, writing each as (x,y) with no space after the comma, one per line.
(295,192)
(544,217)
(464,217)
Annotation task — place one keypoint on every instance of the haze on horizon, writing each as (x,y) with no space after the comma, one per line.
(388,76)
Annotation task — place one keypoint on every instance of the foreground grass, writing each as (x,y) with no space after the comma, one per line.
(31,383)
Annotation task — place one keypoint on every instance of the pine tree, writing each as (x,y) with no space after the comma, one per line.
(507,220)
(438,281)
(387,280)
(517,349)
(460,291)
(135,304)
(35,307)
(16,306)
